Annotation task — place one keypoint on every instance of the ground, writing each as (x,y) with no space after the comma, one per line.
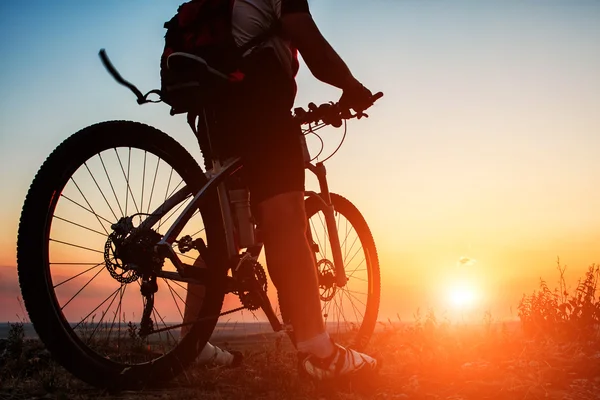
(424,361)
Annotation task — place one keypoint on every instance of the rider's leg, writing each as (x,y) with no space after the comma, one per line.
(292,267)
(210,354)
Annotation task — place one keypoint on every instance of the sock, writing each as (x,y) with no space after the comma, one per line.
(320,346)
(211,354)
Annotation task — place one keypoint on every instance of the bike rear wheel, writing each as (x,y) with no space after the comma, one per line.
(349,312)
(80,291)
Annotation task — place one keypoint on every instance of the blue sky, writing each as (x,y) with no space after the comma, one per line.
(485,144)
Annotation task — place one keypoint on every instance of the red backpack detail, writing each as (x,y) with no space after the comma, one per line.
(202,28)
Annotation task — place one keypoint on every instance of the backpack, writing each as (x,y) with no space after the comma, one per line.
(202,28)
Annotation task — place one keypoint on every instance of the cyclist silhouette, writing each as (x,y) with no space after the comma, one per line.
(260,129)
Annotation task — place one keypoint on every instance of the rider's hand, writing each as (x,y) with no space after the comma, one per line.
(357,97)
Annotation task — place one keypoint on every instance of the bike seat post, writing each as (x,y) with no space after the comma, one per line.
(213,148)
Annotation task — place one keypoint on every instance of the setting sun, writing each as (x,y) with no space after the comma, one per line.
(462,296)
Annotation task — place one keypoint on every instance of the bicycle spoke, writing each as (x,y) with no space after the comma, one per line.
(79,274)
(119,309)
(327,309)
(73,263)
(175,189)
(121,292)
(318,240)
(355,254)
(166,194)
(100,190)
(80,226)
(348,252)
(351,274)
(197,233)
(174,300)
(75,245)
(126,177)
(111,185)
(113,295)
(354,308)
(90,206)
(79,291)
(143,181)
(325,236)
(342,314)
(165,325)
(99,217)
(153,184)
(344,243)
(175,291)
(350,293)
(358,279)
(187,291)
(338,315)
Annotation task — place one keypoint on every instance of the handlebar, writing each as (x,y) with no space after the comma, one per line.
(141,98)
(329,113)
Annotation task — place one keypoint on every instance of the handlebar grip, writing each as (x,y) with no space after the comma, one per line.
(377,96)
(117,76)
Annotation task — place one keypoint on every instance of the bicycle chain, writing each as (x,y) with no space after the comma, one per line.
(195,321)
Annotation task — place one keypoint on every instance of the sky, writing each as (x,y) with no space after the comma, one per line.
(484,146)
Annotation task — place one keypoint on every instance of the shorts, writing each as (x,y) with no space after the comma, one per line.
(257,125)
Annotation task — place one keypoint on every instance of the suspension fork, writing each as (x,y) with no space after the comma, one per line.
(338,261)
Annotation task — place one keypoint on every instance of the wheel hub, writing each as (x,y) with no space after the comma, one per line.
(129,252)
(326,277)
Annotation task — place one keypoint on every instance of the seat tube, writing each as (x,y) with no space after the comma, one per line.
(334,239)
(221,189)
(226,214)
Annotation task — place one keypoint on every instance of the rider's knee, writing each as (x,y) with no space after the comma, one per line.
(284,212)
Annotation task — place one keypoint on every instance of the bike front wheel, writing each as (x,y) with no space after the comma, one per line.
(350,312)
(82,284)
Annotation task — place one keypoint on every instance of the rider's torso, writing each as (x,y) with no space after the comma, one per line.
(253,17)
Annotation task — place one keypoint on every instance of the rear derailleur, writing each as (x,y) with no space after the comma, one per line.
(148,288)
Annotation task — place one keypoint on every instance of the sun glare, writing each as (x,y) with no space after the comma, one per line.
(462,296)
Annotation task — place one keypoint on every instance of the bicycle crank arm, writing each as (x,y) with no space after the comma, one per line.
(267,308)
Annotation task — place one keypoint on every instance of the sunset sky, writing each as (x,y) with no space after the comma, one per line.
(485,145)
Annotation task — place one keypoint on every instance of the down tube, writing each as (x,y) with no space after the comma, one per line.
(191,208)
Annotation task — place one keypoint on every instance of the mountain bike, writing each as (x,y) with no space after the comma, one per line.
(120,222)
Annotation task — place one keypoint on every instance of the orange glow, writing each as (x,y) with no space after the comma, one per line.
(462,296)
(484,145)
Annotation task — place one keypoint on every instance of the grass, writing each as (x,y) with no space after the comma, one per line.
(553,352)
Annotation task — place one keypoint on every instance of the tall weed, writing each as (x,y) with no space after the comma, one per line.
(561,314)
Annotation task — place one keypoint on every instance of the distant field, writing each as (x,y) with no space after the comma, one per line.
(430,361)
(223,332)
(227,331)
(29,331)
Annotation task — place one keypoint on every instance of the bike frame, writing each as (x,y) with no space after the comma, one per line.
(217,181)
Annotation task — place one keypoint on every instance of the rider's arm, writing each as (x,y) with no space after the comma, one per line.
(324,63)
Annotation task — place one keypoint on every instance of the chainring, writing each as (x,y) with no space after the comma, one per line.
(248,272)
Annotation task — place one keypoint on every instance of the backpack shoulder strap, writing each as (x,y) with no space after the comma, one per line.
(273,30)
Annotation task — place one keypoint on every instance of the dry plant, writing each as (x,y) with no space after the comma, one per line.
(562,315)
